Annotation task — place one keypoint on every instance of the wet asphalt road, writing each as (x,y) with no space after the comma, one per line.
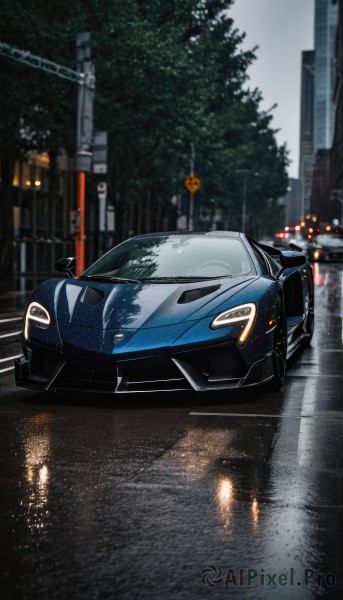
(184,496)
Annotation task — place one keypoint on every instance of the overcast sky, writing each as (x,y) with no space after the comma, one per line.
(282,29)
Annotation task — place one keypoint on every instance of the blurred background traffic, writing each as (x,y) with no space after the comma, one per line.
(319,240)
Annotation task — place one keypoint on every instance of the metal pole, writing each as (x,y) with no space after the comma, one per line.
(191,195)
(337,195)
(244,206)
(84,136)
(341,203)
(80,240)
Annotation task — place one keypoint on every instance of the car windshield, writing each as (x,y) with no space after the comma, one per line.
(173,256)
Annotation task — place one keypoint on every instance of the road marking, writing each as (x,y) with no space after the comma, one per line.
(11,319)
(10,358)
(210,414)
(306,436)
(331,350)
(8,369)
(309,374)
(10,334)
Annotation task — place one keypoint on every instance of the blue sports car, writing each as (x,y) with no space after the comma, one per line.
(169,311)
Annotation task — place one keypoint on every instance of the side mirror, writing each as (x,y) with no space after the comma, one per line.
(292,259)
(295,247)
(66,265)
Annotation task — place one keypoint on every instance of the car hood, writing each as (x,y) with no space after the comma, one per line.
(143,305)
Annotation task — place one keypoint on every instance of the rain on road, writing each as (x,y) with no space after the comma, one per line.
(181,496)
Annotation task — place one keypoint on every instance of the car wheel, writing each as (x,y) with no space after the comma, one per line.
(279,350)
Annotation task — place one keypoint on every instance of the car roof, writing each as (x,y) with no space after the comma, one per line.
(217,233)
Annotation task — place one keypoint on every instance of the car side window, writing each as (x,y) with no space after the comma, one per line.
(274,266)
(266,262)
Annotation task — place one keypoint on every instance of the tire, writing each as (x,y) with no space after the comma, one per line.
(310,321)
(279,350)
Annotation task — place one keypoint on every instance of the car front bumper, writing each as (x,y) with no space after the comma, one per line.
(214,367)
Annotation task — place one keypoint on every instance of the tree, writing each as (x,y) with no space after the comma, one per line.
(168,74)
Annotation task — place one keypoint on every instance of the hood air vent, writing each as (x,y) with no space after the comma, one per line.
(92,296)
(192,295)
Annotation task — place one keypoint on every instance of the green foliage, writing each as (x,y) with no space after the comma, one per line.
(169,73)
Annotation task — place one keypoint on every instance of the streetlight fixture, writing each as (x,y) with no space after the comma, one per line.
(337,195)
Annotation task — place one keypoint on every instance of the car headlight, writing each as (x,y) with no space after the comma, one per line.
(243,314)
(37,314)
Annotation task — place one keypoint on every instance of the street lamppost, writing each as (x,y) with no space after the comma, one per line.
(191,196)
(244,198)
(244,205)
(84,137)
(192,183)
(337,195)
(85,78)
(246,173)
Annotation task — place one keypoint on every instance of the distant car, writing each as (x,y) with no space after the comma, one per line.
(326,247)
(169,311)
(291,236)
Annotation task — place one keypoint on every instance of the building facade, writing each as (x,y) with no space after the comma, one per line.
(336,157)
(292,202)
(325,33)
(306,128)
(325,27)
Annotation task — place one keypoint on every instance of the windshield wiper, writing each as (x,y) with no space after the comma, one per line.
(109,278)
(181,279)
(170,279)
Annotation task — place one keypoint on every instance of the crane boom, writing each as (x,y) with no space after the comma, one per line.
(27,57)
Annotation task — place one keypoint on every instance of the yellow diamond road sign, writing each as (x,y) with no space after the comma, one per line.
(192,183)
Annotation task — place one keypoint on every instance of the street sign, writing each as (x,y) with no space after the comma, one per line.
(99,169)
(102,190)
(102,186)
(192,183)
(99,149)
(74,221)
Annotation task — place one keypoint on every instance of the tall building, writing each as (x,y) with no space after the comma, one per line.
(325,26)
(325,30)
(292,203)
(306,128)
(336,158)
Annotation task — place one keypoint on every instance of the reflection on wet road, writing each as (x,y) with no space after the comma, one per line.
(183,496)
(35,437)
